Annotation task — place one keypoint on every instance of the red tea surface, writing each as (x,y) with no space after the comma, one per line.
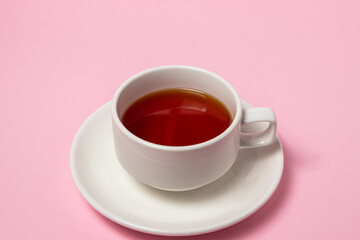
(177,117)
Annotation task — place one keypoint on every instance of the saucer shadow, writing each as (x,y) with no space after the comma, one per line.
(239,230)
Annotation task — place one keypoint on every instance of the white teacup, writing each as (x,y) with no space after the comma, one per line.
(186,167)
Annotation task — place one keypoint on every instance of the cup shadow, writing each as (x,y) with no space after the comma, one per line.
(241,229)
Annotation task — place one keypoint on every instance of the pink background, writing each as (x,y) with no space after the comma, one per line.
(61,60)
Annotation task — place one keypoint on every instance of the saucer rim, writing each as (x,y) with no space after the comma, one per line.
(161,231)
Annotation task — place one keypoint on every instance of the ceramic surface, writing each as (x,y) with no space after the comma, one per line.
(185,167)
(118,196)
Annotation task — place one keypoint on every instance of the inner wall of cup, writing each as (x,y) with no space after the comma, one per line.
(143,84)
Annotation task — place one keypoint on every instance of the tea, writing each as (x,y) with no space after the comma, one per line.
(177,117)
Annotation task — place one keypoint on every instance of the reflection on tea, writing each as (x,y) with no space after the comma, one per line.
(177,117)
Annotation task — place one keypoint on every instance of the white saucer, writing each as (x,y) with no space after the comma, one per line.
(116,195)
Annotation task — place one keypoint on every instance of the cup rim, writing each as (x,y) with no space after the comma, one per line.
(117,121)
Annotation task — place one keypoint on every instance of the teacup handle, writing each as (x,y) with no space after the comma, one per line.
(263,138)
